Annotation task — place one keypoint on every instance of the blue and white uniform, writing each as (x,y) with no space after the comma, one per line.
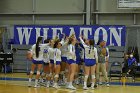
(51,55)
(46,58)
(57,56)
(78,51)
(39,59)
(71,54)
(82,53)
(64,51)
(91,56)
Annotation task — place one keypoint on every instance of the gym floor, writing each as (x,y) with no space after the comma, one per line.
(17,83)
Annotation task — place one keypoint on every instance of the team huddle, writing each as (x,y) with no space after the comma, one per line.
(61,60)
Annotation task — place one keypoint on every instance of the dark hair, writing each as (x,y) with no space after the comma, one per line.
(56,43)
(37,46)
(84,39)
(70,40)
(46,41)
(98,43)
(91,42)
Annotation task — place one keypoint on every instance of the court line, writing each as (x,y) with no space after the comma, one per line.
(26,79)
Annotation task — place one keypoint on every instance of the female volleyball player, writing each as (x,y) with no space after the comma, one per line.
(71,62)
(64,65)
(57,62)
(37,55)
(46,60)
(51,57)
(91,58)
(78,51)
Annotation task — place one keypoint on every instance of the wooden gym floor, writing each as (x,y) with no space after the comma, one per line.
(11,83)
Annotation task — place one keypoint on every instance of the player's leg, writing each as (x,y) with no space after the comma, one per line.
(56,77)
(31,74)
(39,67)
(72,73)
(86,75)
(92,70)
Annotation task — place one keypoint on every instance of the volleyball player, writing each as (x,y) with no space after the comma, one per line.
(56,63)
(91,58)
(51,57)
(71,62)
(46,60)
(78,51)
(37,61)
(64,65)
(57,60)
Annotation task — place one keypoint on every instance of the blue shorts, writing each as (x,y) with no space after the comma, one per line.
(64,59)
(45,63)
(37,62)
(57,62)
(90,62)
(52,61)
(78,61)
(71,61)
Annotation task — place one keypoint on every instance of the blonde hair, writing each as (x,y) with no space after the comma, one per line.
(56,39)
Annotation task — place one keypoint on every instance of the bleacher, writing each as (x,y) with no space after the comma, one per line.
(21,64)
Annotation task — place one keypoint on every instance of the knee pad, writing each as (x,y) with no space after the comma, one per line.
(93,76)
(86,76)
(56,76)
(100,73)
(66,70)
(50,74)
(43,74)
(38,72)
(62,72)
(31,72)
(47,75)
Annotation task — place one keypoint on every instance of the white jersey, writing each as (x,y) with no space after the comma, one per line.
(90,51)
(41,49)
(64,49)
(57,55)
(46,54)
(71,52)
(51,53)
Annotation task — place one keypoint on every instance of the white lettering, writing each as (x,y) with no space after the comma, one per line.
(117,36)
(24,32)
(45,33)
(55,32)
(71,31)
(85,31)
(96,34)
(37,32)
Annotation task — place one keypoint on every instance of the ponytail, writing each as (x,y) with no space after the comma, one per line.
(91,43)
(37,46)
(56,43)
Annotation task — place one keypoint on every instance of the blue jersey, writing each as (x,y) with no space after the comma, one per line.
(131,61)
(78,51)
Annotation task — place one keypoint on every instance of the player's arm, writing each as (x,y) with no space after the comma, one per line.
(55,56)
(96,55)
(83,43)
